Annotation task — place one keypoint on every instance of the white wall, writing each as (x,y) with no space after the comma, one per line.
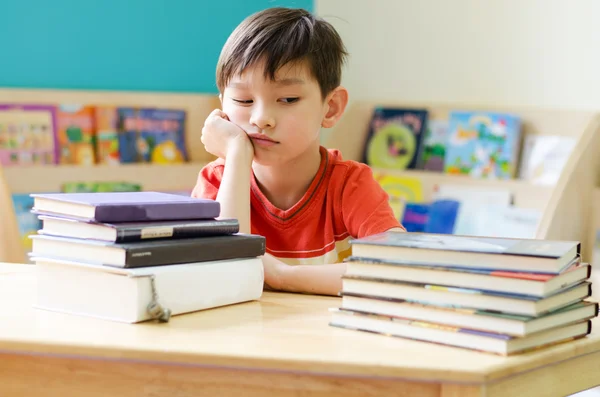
(542,53)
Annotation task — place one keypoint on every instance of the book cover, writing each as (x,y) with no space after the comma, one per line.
(544,157)
(160,252)
(483,144)
(28,222)
(134,206)
(136,231)
(434,145)
(395,138)
(505,246)
(152,135)
(107,138)
(400,190)
(28,134)
(76,134)
(126,294)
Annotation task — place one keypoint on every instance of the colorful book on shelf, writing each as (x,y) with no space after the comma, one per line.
(107,137)
(27,134)
(160,252)
(544,157)
(434,145)
(152,135)
(483,144)
(97,187)
(28,222)
(512,282)
(136,231)
(125,295)
(454,336)
(126,206)
(76,134)
(483,320)
(395,138)
(400,190)
(527,255)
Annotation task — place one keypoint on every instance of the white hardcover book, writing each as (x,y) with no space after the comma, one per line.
(125,294)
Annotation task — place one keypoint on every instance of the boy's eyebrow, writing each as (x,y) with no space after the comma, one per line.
(282,82)
(238,85)
(290,81)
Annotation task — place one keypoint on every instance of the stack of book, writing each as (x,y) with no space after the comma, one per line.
(137,256)
(496,295)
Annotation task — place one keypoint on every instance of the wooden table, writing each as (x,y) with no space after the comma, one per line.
(279,346)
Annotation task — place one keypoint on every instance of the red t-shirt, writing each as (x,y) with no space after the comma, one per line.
(342,202)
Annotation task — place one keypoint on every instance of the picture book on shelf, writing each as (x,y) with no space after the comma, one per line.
(27,134)
(76,134)
(544,157)
(434,145)
(151,135)
(107,138)
(482,144)
(400,190)
(395,138)
(27,221)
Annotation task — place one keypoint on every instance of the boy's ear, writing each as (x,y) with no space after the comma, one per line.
(221,99)
(336,103)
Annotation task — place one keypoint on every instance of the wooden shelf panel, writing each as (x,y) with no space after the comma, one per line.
(525,194)
(152,176)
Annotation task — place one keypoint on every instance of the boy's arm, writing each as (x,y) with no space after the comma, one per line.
(234,192)
(228,141)
(311,279)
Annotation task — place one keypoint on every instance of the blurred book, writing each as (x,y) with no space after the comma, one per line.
(395,138)
(151,135)
(483,144)
(28,134)
(76,134)
(544,158)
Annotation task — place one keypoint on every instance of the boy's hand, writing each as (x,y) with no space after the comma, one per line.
(273,269)
(222,137)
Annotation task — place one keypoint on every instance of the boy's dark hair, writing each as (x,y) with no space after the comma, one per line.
(281,36)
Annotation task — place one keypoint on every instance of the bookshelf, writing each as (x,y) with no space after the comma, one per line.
(565,206)
(151,176)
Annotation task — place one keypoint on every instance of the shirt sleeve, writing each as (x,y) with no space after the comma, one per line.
(208,183)
(365,207)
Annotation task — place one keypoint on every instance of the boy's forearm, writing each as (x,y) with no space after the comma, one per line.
(234,192)
(312,279)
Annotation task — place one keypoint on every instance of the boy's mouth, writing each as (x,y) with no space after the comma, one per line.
(262,140)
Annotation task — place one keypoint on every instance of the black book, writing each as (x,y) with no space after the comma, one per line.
(149,253)
(136,231)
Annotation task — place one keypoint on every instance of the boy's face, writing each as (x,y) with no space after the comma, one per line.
(283,117)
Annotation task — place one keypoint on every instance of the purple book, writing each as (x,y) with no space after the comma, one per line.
(125,206)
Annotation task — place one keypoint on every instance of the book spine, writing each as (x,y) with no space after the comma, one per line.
(215,228)
(156,212)
(201,250)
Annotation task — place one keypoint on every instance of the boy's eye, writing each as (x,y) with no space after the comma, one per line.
(243,101)
(289,100)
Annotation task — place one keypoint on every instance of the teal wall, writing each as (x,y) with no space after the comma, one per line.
(142,45)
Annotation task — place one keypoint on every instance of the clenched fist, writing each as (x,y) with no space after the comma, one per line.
(222,137)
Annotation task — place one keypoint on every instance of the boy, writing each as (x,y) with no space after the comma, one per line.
(279,81)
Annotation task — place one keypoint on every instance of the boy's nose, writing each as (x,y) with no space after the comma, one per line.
(262,119)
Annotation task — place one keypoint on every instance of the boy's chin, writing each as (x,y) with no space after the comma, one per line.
(266,159)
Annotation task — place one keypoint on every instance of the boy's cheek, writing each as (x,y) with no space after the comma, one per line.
(237,115)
